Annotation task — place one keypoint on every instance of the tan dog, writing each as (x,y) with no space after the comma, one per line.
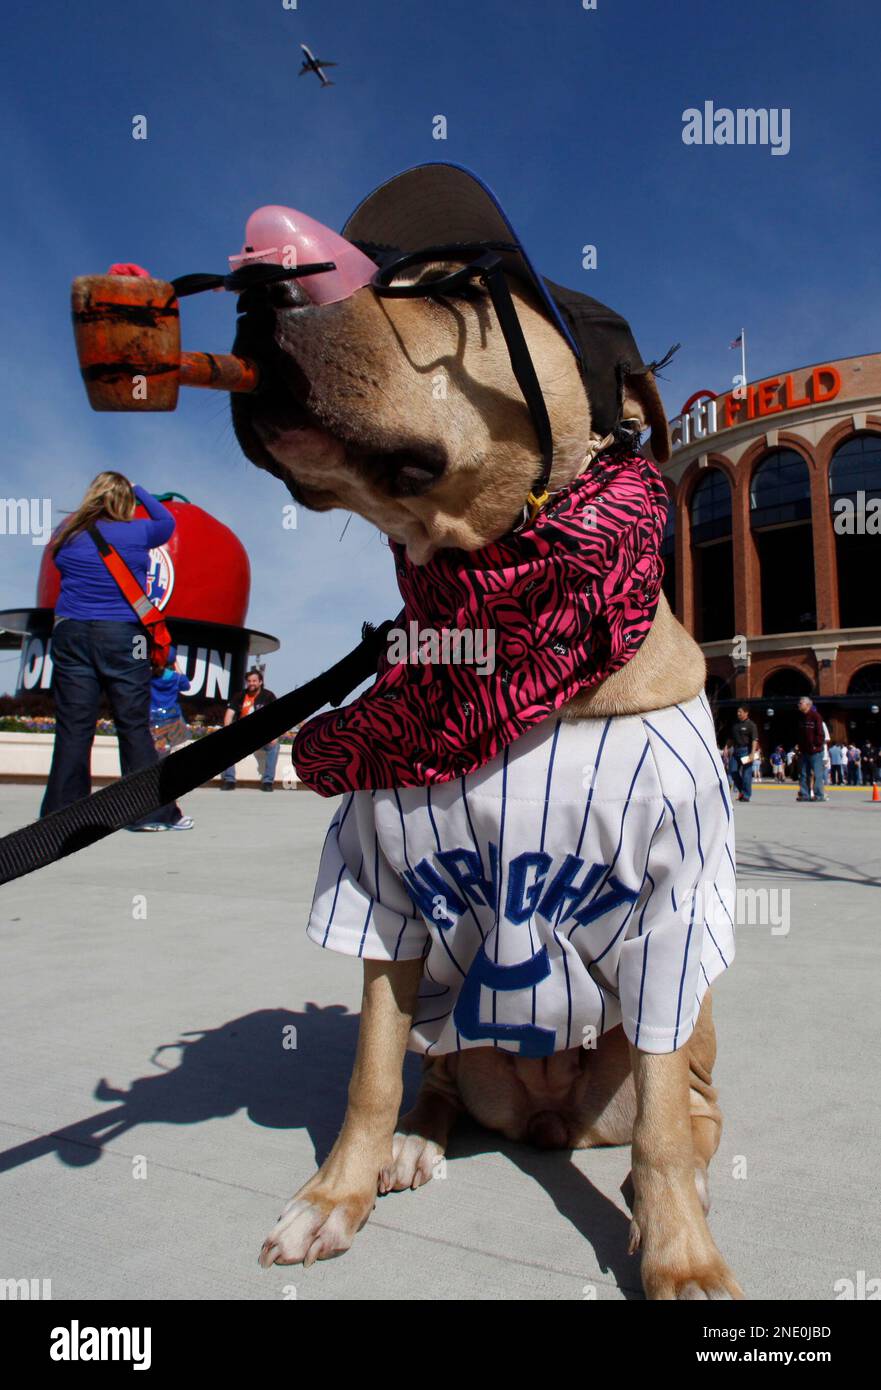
(350,420)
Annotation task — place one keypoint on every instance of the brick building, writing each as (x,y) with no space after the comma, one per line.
(773,547)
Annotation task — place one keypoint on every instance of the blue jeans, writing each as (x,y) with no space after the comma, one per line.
(812,762)
(271,751)
(88,658)
(742,773)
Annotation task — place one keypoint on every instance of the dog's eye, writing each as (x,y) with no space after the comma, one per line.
(412,481)
(469,291)
(436,274)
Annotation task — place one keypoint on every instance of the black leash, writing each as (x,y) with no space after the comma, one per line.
(134,797)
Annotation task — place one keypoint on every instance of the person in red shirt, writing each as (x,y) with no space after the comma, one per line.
(254,696)
(812,741)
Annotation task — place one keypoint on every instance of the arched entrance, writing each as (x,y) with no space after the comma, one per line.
(777,718)
(864,715)
(780,517)
(713,557)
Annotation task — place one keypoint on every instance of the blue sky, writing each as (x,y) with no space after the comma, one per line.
(574,117)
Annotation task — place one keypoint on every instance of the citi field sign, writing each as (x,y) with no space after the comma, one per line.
(705,414)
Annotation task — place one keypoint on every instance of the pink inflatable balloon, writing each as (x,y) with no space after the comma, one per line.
(283,236)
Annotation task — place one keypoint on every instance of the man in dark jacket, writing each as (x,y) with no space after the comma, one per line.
(254,696)
(745,746)
(812,742)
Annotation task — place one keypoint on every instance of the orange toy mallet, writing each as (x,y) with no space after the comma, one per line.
(127,331)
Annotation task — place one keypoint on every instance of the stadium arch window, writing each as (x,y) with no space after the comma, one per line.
(711,508)
(864,716)
(780,518)
(668,553)
(856,467)
(713,557)
(866,681)
(778,716)
(854,482)
(780,491)
(787,683)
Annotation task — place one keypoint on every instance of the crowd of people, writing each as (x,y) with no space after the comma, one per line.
(94,653)
(99,648)
(816,761)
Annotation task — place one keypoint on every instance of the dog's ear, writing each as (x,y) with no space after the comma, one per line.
(642,402)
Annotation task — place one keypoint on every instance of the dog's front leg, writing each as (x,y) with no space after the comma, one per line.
(679,1257)
(323,1218)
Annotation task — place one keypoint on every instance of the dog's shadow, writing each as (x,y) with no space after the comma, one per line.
(598,1220)
(290,1071)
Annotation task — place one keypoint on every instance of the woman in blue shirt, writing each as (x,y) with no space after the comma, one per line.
(93,642)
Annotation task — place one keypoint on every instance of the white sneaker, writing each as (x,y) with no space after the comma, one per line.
(185,823)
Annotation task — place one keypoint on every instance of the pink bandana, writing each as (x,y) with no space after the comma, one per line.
(493,641)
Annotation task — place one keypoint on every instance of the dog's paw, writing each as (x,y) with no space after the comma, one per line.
(679,1256)
(315,1226)
(415,1160)
(711,1280)
(685,1266)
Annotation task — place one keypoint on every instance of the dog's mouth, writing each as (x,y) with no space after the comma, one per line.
(281,428)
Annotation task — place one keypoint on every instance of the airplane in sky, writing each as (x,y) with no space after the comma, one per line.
(313,64)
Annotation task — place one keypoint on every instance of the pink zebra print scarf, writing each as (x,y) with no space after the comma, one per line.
(492,641)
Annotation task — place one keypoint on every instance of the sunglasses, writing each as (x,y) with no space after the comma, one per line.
(473,263)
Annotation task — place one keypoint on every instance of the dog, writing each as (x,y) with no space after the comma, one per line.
(347,419)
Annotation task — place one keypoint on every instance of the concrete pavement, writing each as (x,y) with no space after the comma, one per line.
(152,1121)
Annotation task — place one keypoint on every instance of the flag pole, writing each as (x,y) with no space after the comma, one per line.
(743,356)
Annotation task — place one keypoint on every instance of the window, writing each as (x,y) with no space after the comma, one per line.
(780,517)
(866,681)
(856,467)
(713,557)
(711,508)
(780,491)
(786,683)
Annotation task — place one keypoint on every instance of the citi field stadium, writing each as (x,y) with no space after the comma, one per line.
(773,545)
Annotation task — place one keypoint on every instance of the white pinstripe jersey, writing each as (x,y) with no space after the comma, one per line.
(582,879)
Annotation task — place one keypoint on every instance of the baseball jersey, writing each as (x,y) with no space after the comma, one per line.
(582,879)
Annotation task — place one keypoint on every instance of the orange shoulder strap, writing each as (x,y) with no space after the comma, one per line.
(131,590)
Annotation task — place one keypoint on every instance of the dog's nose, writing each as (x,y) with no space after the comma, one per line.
(282,236)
